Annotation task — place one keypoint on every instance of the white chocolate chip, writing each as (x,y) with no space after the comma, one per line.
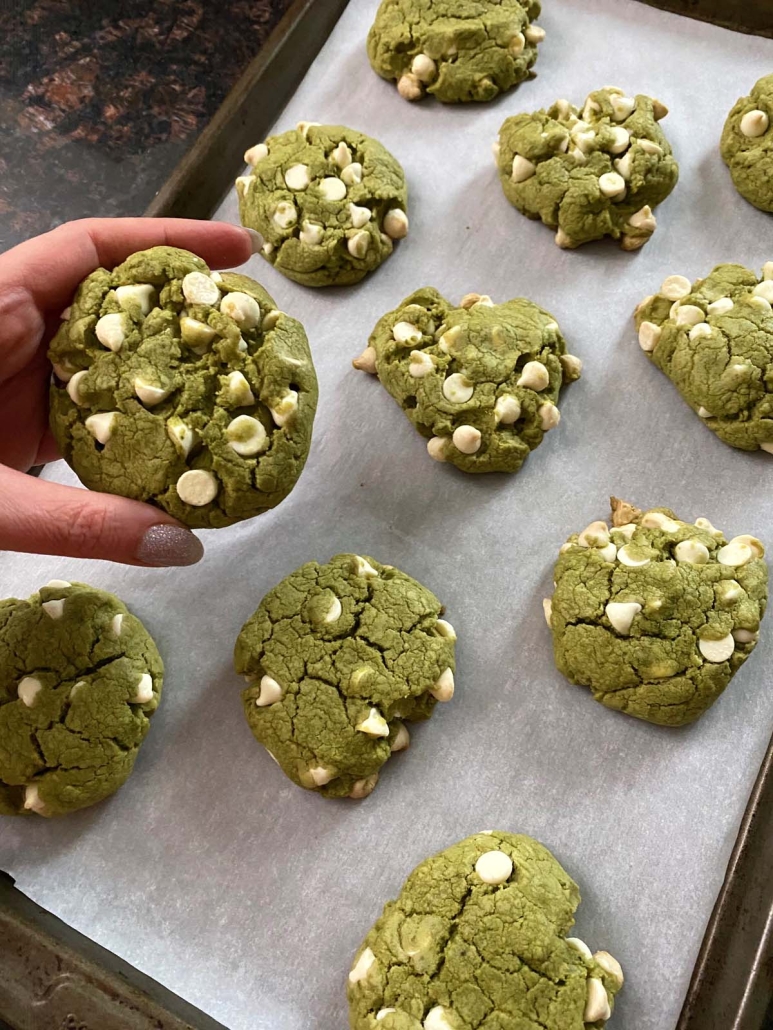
(659,110)
(494,867)
(358,244)
(332,188)
(692,551)
(436,447)
(583,141)
(364,568)
(298,177)
(101,425)
(627,530)
(581,159)
(342,155)
(624,166)
(383,1013)
(362,966)
(197,487)
(676,287)
(657,520)
(507,409)
(522,169)
(270,692)
(303,128)
(32,801)
(362,788)
(181,435)
(612,185)
(596,1002)
(199,288)
(285,214)
(242,308)
(467,439)
(735,554)
(534,376)
(247,436)
(110,331)
(699,330)
(366,362)
(334,611)
(282,412)
(267,249)
(758,548)
(547,610)
(74,388)
(198,335)
(580,946)
(448,340)
(28,689)
(717,650)
(406,332)
(626,557)
(352,174)
(608,553)
(594,535)
(57,584)
(755,123)
(409,86)
(549,416)
(396,223)
(444,686)
(705,525)
(516,44)
(150,394)
(622,138)
(534,33)
(359,215)
(688,314)
(255,154)
(767,447)
(457,388)
(375,725)
(445,629)
(621,614)
(721,306)
(142,295)
(243,183)
(744,636)
(144,691)
(764,290)
(311,234)
(643,219)
(320,776)
(622,107)
(53,609)
(436,1019)
(238,391)
(115,625)
(421,364)
(610,965)
(649,147)
(424,68)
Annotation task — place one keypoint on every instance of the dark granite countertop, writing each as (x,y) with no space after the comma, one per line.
(99,100)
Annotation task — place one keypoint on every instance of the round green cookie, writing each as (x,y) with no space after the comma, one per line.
(656,615)
(328,201)
(477,940)
(480,380)
(589,174)
(714,341)
(335,657)
(457,50)
(80,679)
(747,145)
(183,388)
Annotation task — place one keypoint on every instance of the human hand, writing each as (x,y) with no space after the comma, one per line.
(37,281)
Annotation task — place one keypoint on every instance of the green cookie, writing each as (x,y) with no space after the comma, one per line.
(335,656)
(591,174)
(714,341)
(477,938)
(457,50)
(80,679)
(747,145)
(656,615)
(480,380)
(183,388)
(328,201)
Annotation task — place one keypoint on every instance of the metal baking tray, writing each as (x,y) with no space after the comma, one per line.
(730,984)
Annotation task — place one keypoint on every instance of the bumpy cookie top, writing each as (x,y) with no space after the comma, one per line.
(80,679)
(456,50)
(480,380)
(480,930)
(656,615)
(714,341)
(335,656)
(328,201)
(184,388)
(589,174)
(747,145)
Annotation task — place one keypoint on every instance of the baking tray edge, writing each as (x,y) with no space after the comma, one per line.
(740,15)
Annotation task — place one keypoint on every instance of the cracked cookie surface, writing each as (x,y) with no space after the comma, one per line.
(589,173)
(747,145)
(184,388)
(80,679)
(477,940)
(480,380)
(455,50)
(328,201)
(656,615)
(336,656)
(714,340)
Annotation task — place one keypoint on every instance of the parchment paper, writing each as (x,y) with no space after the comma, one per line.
(212,872)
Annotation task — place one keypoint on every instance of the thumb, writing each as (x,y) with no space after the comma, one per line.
(47,518)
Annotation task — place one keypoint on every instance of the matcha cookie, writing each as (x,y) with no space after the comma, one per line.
(656,615)
(328,201)
(589,174)
(335,657)
(456,50)
(747,145)
(480,380)
(80,679)
(184,388)
(714,341)
(477,939)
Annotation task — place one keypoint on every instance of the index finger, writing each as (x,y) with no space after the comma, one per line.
(51,266)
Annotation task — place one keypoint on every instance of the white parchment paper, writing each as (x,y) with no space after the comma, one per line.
(212,872)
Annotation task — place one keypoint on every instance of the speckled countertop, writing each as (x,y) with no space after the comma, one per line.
(99,100)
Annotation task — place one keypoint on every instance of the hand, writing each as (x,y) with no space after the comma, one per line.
(37,282)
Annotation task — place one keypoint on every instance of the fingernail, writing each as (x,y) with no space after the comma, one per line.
(169,545)
(256,240)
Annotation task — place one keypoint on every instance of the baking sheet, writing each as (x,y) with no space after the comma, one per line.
(213,873)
